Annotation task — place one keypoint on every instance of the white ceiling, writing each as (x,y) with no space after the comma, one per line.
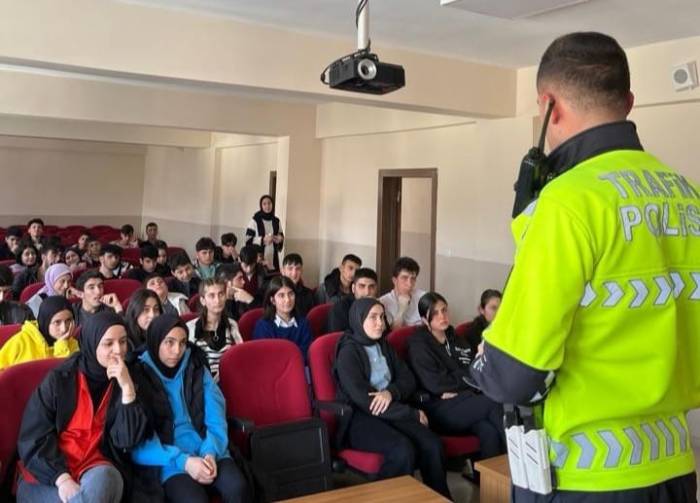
(424,26)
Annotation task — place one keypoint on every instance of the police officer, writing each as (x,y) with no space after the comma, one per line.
(600,320)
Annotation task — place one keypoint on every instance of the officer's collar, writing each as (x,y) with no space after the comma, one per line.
(592,142)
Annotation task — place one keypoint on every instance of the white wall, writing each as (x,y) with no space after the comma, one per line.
(70,181)
(416,209)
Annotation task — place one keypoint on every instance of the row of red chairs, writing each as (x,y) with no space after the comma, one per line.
(264,384)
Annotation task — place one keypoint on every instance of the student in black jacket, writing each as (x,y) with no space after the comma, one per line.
(338,282)
(11,312)
(363,285)
(185,281)
(82,421)
(442,368)
(488,306)
(377,384)
(293,268)
(9,247)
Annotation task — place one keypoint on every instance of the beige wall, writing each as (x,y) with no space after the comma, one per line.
(70,182)
(416,209)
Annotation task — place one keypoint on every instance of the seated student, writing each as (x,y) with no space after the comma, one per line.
(185,282)
(264,230)
(92,252)
(50,255)
(35,233)
(81,424)
(49,337)
(126,237)
(189,445)
(488,306)
(148,261)
(373,380)
(11,312)
(144,306)
(162,267)
(111,265)
(151,234)
(338,283)
(363,285)
(82,242)
(441,366)
(280,321)
(90,290)
(175,302)
(213,331)
(401,303)
(254,273)
(238,301)
(227,253)
(57,281)
(25,258)
(8,249)
(204,264)
(74,259)
(293,268)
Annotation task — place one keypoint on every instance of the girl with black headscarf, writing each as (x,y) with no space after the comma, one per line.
(51,336)
(372,379)
(82,421)
(264,230)
(189,448)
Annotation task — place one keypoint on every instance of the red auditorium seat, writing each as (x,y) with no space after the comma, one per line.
(264,383)
(461,329)
(172,250)
(7,331)
(75,228)
(188,316)
(29,291)
(399,340)
(246,325)
(462,445)
(321,359)
(17,383)
(122,287)
(8,262)
(318,319)
(132,255)
(194,304)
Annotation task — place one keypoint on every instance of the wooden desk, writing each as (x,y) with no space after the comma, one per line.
(404,489)
(495,479)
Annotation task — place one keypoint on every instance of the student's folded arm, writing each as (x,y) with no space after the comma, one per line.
(216,440)
(151,452)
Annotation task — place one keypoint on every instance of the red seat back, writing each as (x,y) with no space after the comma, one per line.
(399,340)
(246,325)
(7,331)
(264,381)
(318,319)
(189,316)
(123,288)
(132,256)
(172,250)
(194,304)
(8,262)
(29,291)
(17,383)
(461,329)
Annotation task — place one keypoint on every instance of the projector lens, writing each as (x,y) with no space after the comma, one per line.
(367,69)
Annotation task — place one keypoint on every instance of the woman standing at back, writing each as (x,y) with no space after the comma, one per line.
(264,230)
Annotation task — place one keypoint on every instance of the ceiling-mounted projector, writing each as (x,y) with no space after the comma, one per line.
(362,71)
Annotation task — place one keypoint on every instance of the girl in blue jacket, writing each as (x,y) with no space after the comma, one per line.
(188,415)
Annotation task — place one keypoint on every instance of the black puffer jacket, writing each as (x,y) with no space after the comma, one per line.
(49,411)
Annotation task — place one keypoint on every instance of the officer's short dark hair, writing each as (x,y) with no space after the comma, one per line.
(405,264)
(590,69)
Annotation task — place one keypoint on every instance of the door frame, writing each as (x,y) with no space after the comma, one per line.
(432,174)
